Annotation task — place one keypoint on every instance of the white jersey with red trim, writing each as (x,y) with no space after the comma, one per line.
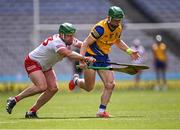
(46,53)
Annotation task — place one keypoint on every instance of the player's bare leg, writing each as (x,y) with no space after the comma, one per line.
(164,86)
(39,86)
(157,87)
(87,83)
(89,80)
(137,80)
(109,84)
(49,93)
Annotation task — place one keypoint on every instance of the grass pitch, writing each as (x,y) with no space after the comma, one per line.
(76,110)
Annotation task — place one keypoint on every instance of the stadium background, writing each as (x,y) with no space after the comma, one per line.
(25,23)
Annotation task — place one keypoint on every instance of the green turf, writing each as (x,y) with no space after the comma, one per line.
(76,110)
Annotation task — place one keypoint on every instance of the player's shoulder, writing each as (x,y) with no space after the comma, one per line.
(102,22)
(98,30)
(163,45)
(57,39)
(141,49)
(56,42)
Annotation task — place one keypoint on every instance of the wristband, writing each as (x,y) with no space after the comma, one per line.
(129,51)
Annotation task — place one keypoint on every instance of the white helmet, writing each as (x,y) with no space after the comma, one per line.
(159,38)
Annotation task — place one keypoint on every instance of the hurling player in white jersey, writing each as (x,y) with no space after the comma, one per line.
(39,63)
(137,46)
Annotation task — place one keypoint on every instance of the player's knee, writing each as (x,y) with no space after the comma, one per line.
(110,85)
(54,89)
(89,89)
(43,88)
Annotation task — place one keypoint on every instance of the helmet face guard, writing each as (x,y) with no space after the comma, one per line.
(66,29)
(116,13)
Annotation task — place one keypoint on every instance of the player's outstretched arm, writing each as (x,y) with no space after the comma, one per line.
(75,56)
(88,41)
(123,46)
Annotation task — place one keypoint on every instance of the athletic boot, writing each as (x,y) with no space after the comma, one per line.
(31,114)
(72,84)
(11,102)
(103,115)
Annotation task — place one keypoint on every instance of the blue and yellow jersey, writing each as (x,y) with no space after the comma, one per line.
(105,38)
(159,51)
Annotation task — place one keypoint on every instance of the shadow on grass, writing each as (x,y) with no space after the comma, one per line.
(85,117)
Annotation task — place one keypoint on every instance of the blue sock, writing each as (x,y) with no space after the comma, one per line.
(102,106)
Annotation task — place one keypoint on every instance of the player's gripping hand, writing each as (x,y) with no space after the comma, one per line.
(135,55)
(85,61)
(82,65)
(89,59)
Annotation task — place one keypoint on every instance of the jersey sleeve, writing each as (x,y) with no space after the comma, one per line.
(97,32)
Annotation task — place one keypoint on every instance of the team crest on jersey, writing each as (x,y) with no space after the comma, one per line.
(111,36)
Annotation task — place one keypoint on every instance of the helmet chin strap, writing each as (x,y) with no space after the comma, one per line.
(109,20)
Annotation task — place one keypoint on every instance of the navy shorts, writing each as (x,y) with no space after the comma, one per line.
(103,58)
(160,64)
